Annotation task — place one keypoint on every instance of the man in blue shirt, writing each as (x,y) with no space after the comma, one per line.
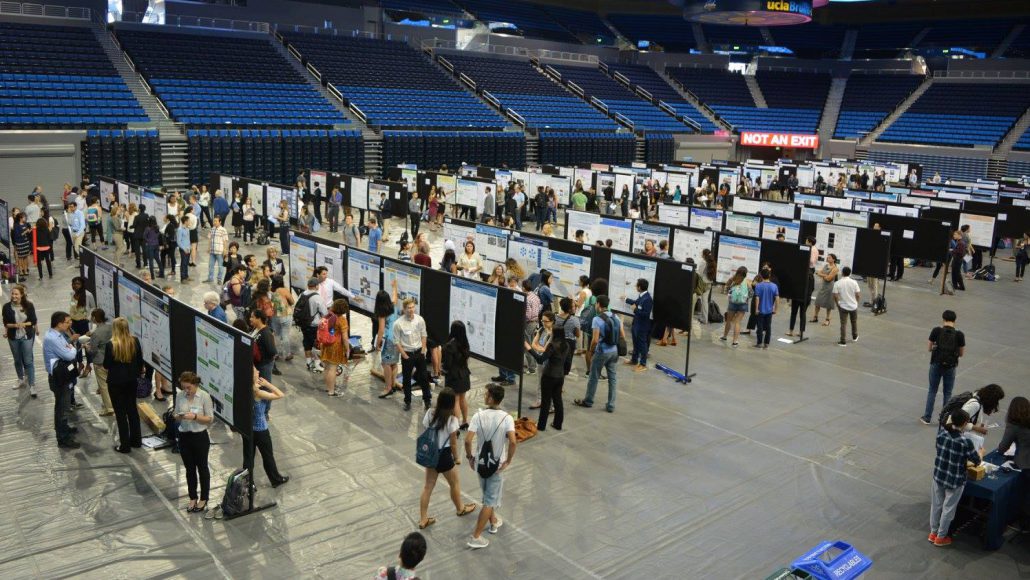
(213,308)
(606,329)
(182,241)
(767,294)
(221,206)
(642,305)
(374,235)
(520,204)
(59,358)
(77,226)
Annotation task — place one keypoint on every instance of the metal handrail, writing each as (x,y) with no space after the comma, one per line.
(624,120)
(491,99)
(314,71)
(202,22)
(644,93)
(599,104)
(358,112)
(603,66)
(294,52)
(622,78)
(467,80)
(516,117)
(576,88)
(334,91)
(45,10)
(445,63)
(552,71)
(983,74)
(665,107)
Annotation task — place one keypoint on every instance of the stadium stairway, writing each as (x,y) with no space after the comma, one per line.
(876,132)
(756,91)
(1005,145)
(693,100)
(1006,42)
(831,110)
(847,48)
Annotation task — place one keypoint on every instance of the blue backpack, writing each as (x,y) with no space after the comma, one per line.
(427,452)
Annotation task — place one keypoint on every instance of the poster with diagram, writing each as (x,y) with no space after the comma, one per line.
(332,258)
(492,245)
(409,281)
(105,286)
(359,193)
(706,219)
(302,261)
(475,304)
(690,244)
(622,280)
(743,224)
(790,229)
(363,273)
(316,180)
(646,232)
(837,240)
(735,252)
(156,338)
(674,214)
(129,304)
(533,255)
(215,349)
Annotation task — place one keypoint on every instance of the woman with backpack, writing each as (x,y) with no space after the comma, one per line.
(334,342)
(444,426)
(93,222)
(981,402)
(739,293)
(456,368)
(824,299)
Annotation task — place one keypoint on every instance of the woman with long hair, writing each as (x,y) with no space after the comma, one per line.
(512,266)
(82,304)
(282,304)
(336,352)
(123,359)
(249,221)
(20,329)
(551,355)
(152,247)
(456,368)
(449,262)
(824,298)
(21,236)
(739,294)
(44,247)
(497,276)
(1017,432)
(128,217)
(386,313)
(442,419)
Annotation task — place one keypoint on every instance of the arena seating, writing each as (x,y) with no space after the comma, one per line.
(529,18)
(729,36)
(210,80)
(451,148)
(960,115)
(273,155)
(1017,169)
(587,26)
(649,80)
(669,32)
(54,77)
(948,167)
(539,100)
(660,148)
(868,99)
(1020,45)
(800,90)
(886,39)
(430,7)
(619,99)
(811,40)
(393,84)
(714,86)
(562,148)
(1024,142)
(132,156)
(979,35)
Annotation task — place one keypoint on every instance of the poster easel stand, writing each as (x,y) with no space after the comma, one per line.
(251,508)
(520,394)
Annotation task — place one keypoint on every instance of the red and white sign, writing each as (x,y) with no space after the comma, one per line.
(789,140)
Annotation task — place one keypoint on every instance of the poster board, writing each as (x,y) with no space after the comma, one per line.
(671,304)
(678,215)
(918,238)
(408,277)
(623,273)
(156,338)
(492,244)
(791,229)
(981,228)
(734,252)
(706,219)
(690,243)
(566,261)
(743,224)
(835,239)
(645,231)
(358,187)
(5,226)
(599,228)
(302,260)
(364,276)
(790,265)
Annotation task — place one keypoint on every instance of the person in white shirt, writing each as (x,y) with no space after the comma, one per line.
(442,419)
(411,338)
(847,296)
(497,426)
(317,309)
(328,288)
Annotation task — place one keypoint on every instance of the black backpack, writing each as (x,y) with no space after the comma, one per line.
(487,462)
(947,347)
(302,311)
(954,404)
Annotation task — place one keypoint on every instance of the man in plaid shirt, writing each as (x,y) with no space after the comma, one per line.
(949,476)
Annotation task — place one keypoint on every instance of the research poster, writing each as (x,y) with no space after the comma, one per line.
(850,218)
(674,214)
(156,339)
(468,193)
(225,184)
(215,348)
(316,179)
(643,231)
(410,179)
(780,210)
(5,226)
(747,205)
(681,180)
(534,255)
(132,195)
(377,192)
(743,224)
(332,258)
(735,252)
(690,244)
(560,185)
(363,275)
(814,214)
(620,232)
(903,211)
(837,240)
(800,198)
(359,193)
(302,261)
(838,202)
(129,304)
(981,229)
(790,229)
(583,178)
(106,190)
(622,280)
(290,197)
(273,197)
(409,281)
(255,191)
(706,219)
(458,234)
(149,201)
(475,304)
(491,243)
(105,287)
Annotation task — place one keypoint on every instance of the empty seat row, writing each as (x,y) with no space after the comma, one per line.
(434,149)
(561,148)
(132,156)
(868,99)
(646,78)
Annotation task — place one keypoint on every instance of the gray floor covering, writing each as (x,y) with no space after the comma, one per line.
(762,457)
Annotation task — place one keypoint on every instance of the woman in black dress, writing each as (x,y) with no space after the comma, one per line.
(123,360)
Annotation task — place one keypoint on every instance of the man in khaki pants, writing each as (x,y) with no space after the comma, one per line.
(99,338)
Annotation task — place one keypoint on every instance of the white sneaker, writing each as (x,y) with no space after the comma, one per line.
(494,527)
(476,543)
(19,384)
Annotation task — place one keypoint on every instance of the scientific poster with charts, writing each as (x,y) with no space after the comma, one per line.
(814,214)
(691,244)
(132,195)
(806,176)
(316,179)
(225,184)
(257,199)
(674,214)
(735,252)
(838,202)
(780,210)
(903,211)
(447,183)
(801,199)
(129,304)
(359,193)
(622,280)
(475,304)
(215,348)
(149,200)
(560,185)
(377,192)
(502,177)
(363,275)
(534,255)
(458,234)
(290,196)
(410,178)
(106,190)
(491,243)
(332,258)
(790,229)
(105,287)
(620,232)
(981,228)
(156,338)
(273,196)
(743,224)
(747,205)
(583,177)
(643,231)
(706,219)
(838,240)
(468,193)
(302,261)
(409,281)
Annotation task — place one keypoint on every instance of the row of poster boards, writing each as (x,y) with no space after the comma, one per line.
(125,193)
(176,338)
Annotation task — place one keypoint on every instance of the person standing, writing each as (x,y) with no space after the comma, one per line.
(59,358)
(139,229)
(739,294)
(414,214)
(204,201)
(194,411)
(643,305)
(182,242)
(77,227)
(530,325)
(123,359)
(334,344)
(1017,432)
(496,426)
(552,357)
(375,235)
(99,338)
(949,476)
(221,206)
(307,314)
(489,205)
(567,325)
(333,209)
(264,393)
(409,333)
(847,296)
(264,343)
(607,329)
(767,296)
(351,233)
(946,345)
(958,255)
(217,249)
(43,249)
(442,420)
(20,328)
(213,307)
(456,368)
(169,243)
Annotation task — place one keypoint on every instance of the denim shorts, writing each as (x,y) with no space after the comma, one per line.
(731,307)
(491,487)
(389,355)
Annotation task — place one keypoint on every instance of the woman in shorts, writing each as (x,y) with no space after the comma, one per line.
(443,420)
(739,294)
(386,313)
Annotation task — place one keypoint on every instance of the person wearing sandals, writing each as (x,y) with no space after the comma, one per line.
(739,294)
(194,412)
(443,420)
(387,313)
(123,359)
(824,299)
(336,353)
(456,367)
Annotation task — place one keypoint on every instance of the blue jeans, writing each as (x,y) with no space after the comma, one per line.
(216,262)
(507,375)
(184,264)
(152,254)
(608,360)
(937,372)
(641,342)
(21,350)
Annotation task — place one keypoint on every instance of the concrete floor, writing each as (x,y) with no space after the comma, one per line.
(763,456)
